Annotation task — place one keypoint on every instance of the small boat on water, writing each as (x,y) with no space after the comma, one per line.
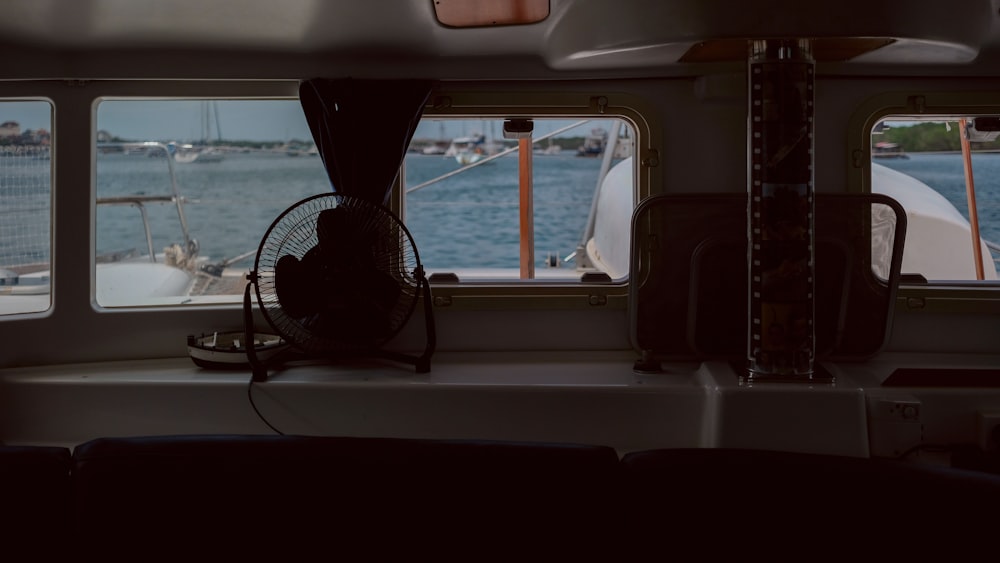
(549,150)
(434,149)
(202,152)
(295,150)
(469,156)
(886,149)
(467,150)
(186,154)
(593,144)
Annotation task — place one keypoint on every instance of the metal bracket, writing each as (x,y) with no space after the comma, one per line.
(601,102)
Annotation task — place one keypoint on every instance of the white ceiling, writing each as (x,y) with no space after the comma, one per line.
(295,38)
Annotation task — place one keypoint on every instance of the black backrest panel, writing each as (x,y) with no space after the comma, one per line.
(688,297)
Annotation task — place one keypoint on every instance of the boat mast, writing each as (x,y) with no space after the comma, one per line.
(218,124)
(970,193)
(204,123)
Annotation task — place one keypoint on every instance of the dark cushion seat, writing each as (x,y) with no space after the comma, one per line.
(363,498)
(787,506)
(229,497)
(35,496)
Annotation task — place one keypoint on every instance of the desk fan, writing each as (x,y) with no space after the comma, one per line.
(337,275)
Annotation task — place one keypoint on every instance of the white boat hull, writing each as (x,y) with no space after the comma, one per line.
(938,238)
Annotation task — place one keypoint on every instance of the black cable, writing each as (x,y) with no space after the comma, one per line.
(259,371)
(250,396)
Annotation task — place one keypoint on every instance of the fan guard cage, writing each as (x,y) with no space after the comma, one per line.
(346,301)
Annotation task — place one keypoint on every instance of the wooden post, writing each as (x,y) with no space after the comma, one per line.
(526,209)
(970,194)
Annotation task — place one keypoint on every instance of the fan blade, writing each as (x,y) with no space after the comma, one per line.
(292,283)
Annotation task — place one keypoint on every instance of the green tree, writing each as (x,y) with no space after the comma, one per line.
(930,136)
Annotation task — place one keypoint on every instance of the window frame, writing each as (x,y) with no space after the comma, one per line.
(481,104)
(935,296)
(503,104)
(234,299)
(41,313)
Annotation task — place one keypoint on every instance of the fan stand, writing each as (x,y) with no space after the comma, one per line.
(421,363)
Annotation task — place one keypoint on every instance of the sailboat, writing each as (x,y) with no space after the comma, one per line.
(467,150)
(202,152)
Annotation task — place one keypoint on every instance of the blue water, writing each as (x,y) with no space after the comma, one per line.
(469,220)
(472,219)
(232,202)
(945,173)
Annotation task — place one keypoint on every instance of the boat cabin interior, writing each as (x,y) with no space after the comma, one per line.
(764,313)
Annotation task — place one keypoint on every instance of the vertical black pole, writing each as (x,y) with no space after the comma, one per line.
(781,343)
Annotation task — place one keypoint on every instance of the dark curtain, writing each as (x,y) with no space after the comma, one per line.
(362,129)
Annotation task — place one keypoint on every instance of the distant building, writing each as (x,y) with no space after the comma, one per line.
(104,137)
(36,137)
(10,129)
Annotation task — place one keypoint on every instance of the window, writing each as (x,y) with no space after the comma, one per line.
(472,215)
(25,206)
(921,162)
(186,189)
